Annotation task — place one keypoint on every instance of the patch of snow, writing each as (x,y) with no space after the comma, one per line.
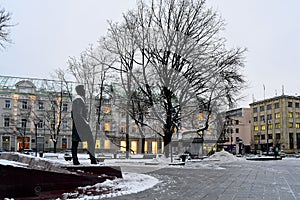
(130,183)
(12,163)
(222,156)
(134,180)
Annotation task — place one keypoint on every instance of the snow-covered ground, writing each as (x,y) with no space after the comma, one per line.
(134,180)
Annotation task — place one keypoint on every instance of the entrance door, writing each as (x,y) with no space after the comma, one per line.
(23,143)
(6,143)
(298,140)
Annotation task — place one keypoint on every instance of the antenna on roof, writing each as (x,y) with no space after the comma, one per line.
(275,92)
(264,91)
(282,89)
(253,99)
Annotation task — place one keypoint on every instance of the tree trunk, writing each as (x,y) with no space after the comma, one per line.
(54,147)
(167,143)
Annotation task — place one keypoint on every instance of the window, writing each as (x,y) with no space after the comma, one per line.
(298,140)
(106,126)
(97,110)
(262,118)
(277,105)
(41,124)
(269,116)
(255,128)
(270,136)
(297,125)
(270,126)
(134,129)
(200,116)
(7,104)
(290,114)
(107,109)
(290,125)
(297,115)
(41,105)
(23,123)
(6,122)
(237,130)
(255,110)
(154,146)
(277,115)
(64,143)
(262,108)
(263,127)
(263,137)
(237,122)
(290,104)
(134,146)
(122,145)
(64,124)
(98,144)
(255,119)
(53,104)
(106,144)
(277,125)
(277,136)
(297,105)
(65,107)
(269,107)
(123,129)
(52,124)
(24,105)
(291,138)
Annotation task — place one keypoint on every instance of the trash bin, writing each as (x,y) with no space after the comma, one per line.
(183,157)
(41,154)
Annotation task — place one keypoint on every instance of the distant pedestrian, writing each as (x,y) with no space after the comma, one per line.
(81,130)
(276,151)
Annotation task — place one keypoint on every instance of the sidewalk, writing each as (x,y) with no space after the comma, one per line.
(240,180)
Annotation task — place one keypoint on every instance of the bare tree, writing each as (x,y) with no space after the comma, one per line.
(91,70)
(172,51)
(5,18)
(54,111)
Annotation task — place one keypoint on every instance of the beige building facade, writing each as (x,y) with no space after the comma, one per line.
(236,136)
(276,122)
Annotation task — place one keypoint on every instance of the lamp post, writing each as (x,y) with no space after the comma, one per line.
(267,137)
(36,121)
(258,141)
(231,149)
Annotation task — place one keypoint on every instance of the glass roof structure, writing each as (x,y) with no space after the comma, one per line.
(9,82)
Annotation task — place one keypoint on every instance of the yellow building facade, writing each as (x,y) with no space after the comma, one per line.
(276,122)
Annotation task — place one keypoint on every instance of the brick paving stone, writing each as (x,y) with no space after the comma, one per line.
(238,180)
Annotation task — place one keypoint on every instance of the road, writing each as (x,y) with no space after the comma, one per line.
(238,180)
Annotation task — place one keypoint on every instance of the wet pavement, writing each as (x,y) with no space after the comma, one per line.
(238,180)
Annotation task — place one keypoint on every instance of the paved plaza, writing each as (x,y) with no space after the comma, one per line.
(238,180)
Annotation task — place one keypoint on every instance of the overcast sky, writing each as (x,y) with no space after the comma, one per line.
(48,32)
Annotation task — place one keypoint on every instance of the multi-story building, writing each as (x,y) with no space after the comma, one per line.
(32,116)
(236,136)
(36,114)
(276,122)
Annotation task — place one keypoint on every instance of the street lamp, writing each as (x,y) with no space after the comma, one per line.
(36,121)
(201,139)
(267,137)
(258,141)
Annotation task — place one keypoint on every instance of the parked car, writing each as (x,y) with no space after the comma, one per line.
(28,152)
(67,155)
(282,154)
